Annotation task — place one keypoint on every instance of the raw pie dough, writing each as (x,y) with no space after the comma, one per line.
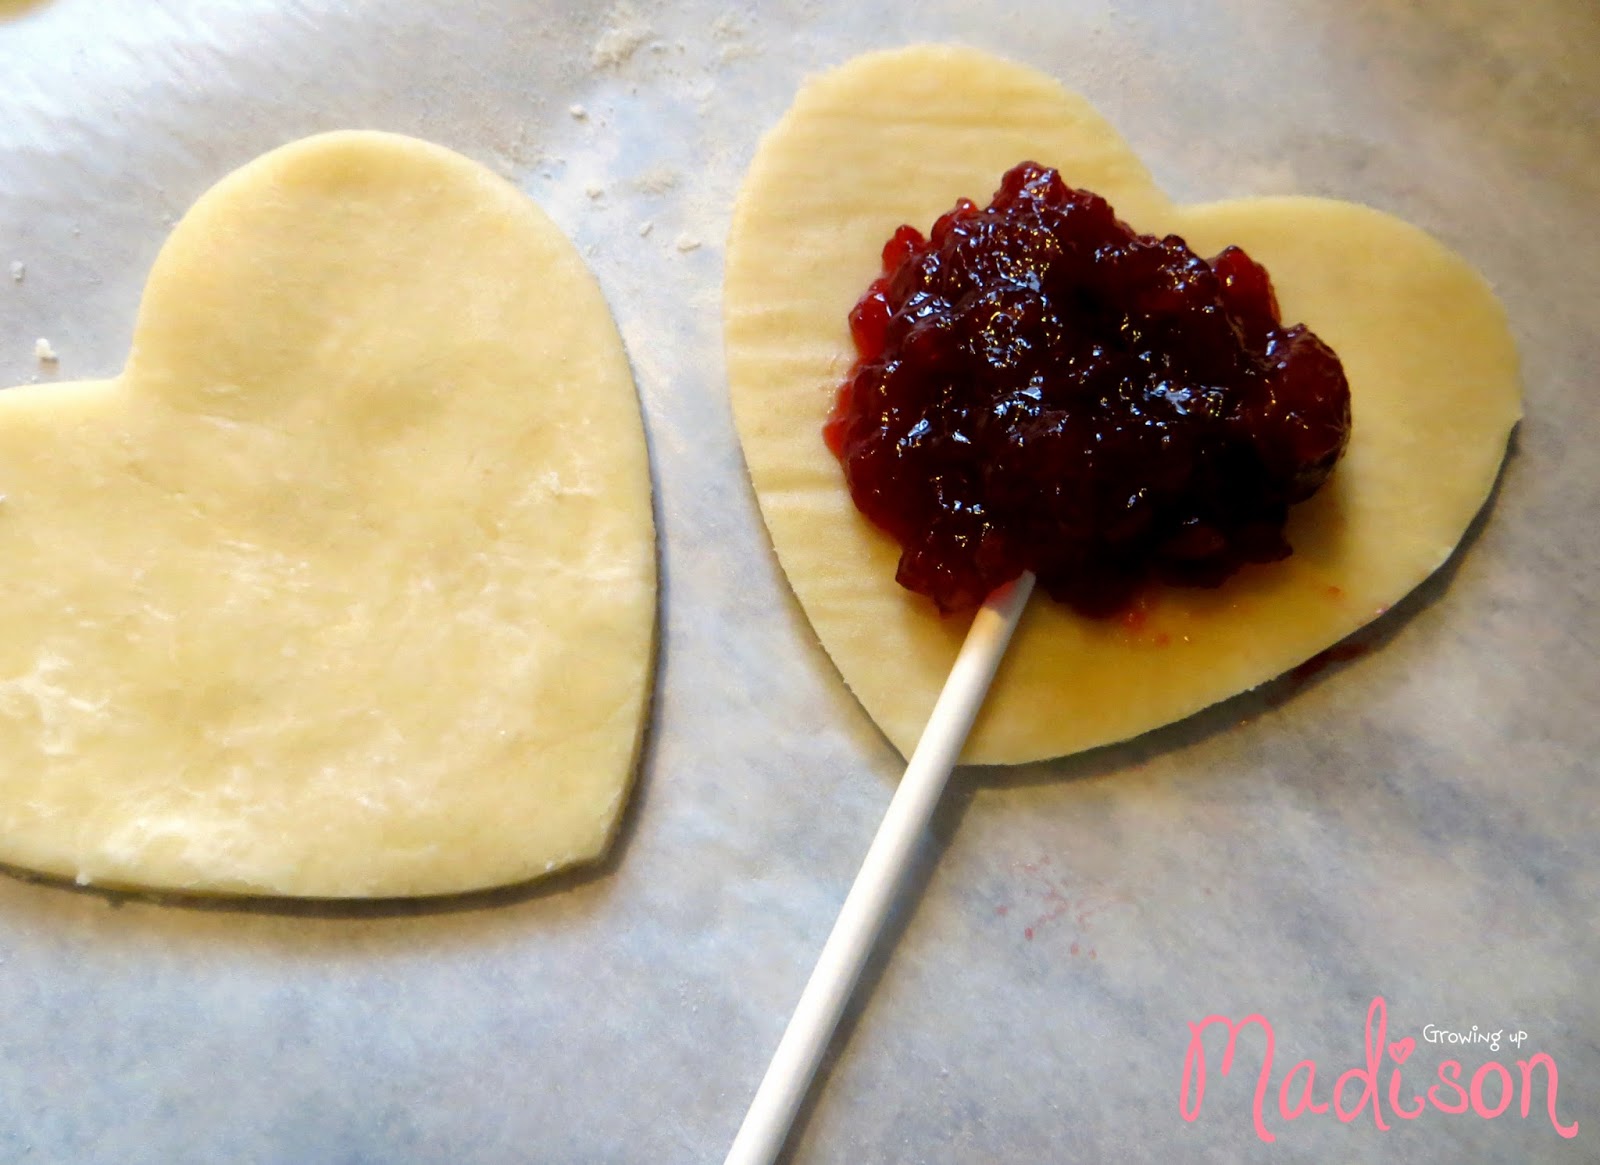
(346,586)
(896,138)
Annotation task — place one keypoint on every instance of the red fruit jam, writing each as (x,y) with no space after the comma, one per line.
(1040,388)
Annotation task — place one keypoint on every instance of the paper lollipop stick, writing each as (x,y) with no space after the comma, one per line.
(772,1111)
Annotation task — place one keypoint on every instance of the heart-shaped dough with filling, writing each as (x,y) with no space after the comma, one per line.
(897,137)
(346,586)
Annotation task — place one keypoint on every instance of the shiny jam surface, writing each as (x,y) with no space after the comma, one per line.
(1040,388)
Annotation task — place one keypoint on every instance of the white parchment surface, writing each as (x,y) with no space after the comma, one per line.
(1418,823)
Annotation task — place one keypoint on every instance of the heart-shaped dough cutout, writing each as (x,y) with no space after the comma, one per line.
(897,137)
(346,586)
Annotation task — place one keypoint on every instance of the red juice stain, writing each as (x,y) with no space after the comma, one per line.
(1338,653)
(1297,678)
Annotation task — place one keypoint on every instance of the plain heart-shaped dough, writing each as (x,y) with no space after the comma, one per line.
(346,586)
(897,137)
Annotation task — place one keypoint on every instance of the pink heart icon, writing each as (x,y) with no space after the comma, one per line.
(1399,1051)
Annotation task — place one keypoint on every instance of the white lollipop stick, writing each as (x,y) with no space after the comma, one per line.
(766,1125)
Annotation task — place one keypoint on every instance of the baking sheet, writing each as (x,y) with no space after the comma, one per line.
(1418,823)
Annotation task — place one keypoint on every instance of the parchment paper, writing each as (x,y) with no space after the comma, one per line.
(1418,823)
